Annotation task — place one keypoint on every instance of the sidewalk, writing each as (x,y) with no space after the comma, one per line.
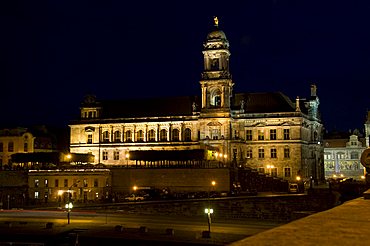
(346,224)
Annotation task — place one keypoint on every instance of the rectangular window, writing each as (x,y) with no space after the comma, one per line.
(273,134)
(96,183)
(85,183)
(248,135)
(261,170)
(261,153)
(46,183)
(286,134)
(286,152)
(274,172)
(287,172)
(249,153)
(56,182)
(105,155)
(261,135)
(65,182)
(273,153)
(10,147)
(25,147)
(116,155)
(89,139)
(37,183)
(36,195)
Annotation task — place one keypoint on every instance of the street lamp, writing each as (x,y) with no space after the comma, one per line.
(209,211)
(69,207)
(127,157)
(69,204)
(134,188)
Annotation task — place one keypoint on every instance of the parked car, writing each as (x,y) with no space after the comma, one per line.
(134,197)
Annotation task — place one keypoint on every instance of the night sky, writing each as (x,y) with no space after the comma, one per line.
(52,53)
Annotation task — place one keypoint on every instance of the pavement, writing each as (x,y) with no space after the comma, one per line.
(346,224)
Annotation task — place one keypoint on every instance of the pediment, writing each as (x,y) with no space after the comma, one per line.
(214,123)
(89,129)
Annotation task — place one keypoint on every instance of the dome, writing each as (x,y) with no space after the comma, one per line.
(216,34)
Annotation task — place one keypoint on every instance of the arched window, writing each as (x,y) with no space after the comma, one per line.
(163,135)
(128,136)
(117,136)
(354,155)
(216,98)
(105,136)
(175,135)
(140,136)
(151,136)
(187,135)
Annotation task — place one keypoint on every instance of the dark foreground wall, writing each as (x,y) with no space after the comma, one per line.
(176,180)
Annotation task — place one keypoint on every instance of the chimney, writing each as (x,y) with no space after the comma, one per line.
(313,90)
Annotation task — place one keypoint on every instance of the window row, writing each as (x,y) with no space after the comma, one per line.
(11,147)
(141,136)
(65,183)
(273,153)
(342,156)
(261,134)
(273,171)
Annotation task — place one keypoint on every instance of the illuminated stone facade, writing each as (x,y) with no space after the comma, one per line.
(23,140)
(342,157)
(83,184)
(367,129)
(264,131)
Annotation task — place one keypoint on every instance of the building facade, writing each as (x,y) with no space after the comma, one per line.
(264,131)
(23,140)
(81,185)
(342,157)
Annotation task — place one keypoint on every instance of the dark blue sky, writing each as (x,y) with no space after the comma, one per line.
(54,52)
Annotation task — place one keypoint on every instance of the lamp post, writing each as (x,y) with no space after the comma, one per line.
(134,188)
(127,158)
(69,204)
(209,211)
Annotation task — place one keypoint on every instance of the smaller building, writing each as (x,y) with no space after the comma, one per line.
(342,154)
(61,186)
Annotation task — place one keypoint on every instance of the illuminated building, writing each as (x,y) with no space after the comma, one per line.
(342,156)
(256,130)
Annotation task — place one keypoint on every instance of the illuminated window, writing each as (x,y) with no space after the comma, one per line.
(187,135)
(116,155)
(105,155)
(286,134)
(36,195)
(261,135)
(273,134)
(10,147)
(89,139)
(354,155)
(261,153)
(106,137)
(128,136)
(248,135)
(46,183)
(140,136)
(273,153)
(151,136)
(287,172)
(274,172)
(117,136)
(175,135)
(37,183)
(286,152)
(249,153)
(85,183)
(341,155)
(163,135)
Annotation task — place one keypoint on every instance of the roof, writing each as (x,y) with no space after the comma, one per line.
(150,107)
(264,102)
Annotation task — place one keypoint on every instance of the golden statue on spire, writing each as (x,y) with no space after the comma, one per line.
(216,21)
